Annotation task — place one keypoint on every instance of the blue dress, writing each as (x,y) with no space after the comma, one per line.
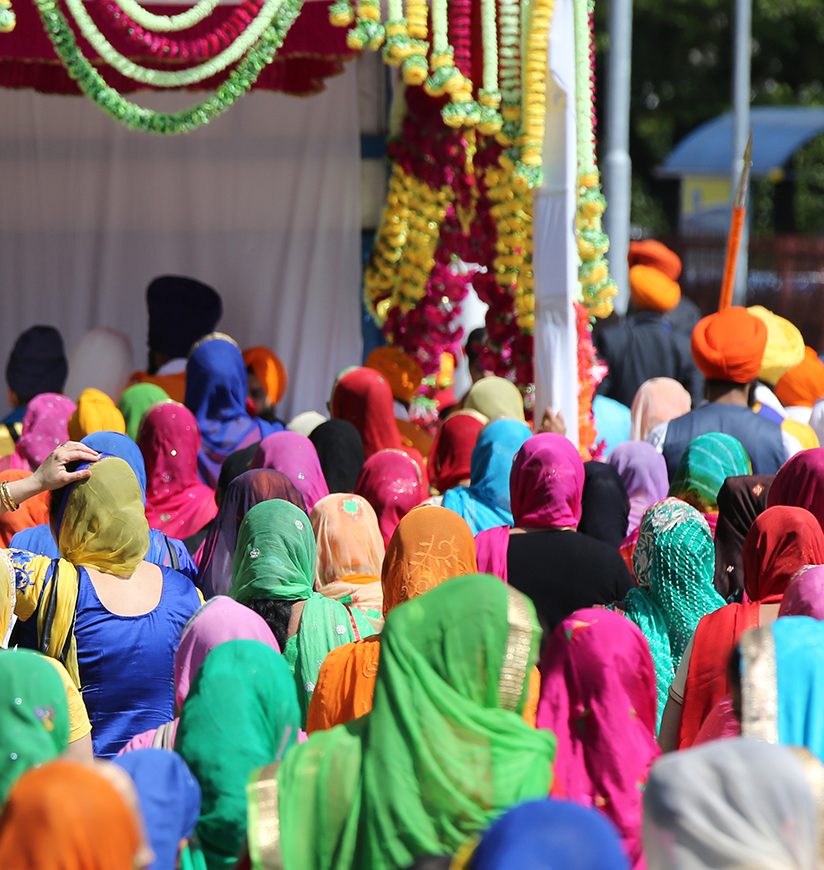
(126,663)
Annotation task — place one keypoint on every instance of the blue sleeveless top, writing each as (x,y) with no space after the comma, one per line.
(126,663)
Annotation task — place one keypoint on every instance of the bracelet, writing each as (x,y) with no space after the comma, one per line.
(9,504)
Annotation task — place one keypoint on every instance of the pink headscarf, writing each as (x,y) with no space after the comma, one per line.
(800,483)
(45,426)
(598,697)
(657,401)
(805,594)
(177,503)
(392,483)
(294,456)
(547,483)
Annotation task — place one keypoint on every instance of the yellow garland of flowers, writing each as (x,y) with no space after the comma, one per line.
(8,19)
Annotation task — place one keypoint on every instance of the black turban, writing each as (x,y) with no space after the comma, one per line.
(37,363)
(181,311)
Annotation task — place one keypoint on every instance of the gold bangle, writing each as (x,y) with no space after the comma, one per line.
(5,497)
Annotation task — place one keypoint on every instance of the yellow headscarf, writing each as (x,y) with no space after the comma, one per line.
(496,398)
(103,523)
(95,412)
(785,345)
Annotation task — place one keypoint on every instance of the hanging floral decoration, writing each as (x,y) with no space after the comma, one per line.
(7,17)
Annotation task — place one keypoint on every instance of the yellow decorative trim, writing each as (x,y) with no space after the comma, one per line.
(264,819)
(759,685)
(518,646)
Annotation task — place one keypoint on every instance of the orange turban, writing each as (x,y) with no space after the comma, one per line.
(269,370)
(803,385)
(651,290)
(660,257)
(403,373)
(729,345)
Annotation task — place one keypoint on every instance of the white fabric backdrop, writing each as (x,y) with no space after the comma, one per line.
(264,204)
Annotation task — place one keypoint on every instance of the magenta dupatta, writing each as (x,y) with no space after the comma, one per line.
(177,503)
(45,426)
(598,697)
(294,456)
(391,482)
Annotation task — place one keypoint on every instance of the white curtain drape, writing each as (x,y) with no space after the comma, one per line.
(263,204)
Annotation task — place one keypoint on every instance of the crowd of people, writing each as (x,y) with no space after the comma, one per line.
(358,639)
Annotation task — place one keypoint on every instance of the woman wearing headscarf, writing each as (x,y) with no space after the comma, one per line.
(95,412)
(216,389)
(177,503)
(733,804)
(391,481)
(430,545)
(485,503)
(169,798)
(254,720)
(242,494)
(340,453)
(363,397)
(45,426)
(267,381)
(740,501)
(165,551)
(800,483)
(32,512)
(674,566)
(306,422)
(136,401)
(604,504)
(80,819)
(805,594)
(102,607)
(657,401)
(550,835)
(102,360)
(643,472)
(36,729)
(220,620)
(706,463)
(350,554)
(273,572)
(782,540)
(446,714)
(598,698)
(544,555)
(782,674)
(496,399)
(450,460)
(295,456)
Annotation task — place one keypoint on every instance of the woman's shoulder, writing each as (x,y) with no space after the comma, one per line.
(179,586)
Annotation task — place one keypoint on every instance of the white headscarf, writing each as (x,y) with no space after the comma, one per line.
(102,360)
(732,804)
(306,423)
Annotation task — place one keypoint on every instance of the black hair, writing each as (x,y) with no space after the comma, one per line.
(431,862)
(276,614)
(475,344)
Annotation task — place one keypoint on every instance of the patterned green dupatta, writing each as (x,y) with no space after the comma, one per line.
(443,752)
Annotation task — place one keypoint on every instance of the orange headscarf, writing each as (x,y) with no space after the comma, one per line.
(66,816)
(430,545)
(651,290)
(32,512)
(803,385)
(95,412)
(401,371)
(729,345)
(269,370)
(650,252)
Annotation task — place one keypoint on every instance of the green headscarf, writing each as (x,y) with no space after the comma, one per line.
(136,401)
(444,750)
(706,463)
(241,713)
(34,715)
(275,559)
(674,563)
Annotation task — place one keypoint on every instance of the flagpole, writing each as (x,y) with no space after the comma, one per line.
(739,214)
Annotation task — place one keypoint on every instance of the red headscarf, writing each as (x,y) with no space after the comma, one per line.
(364,398)
(800,483)
(451,455)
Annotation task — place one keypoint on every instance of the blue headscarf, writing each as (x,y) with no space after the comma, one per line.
(169,798)
(551,835)
(613,422)
(121,446)
(485,503)
(216,390)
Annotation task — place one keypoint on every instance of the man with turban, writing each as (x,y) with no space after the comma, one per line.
(37,364)
(728,348)
(267,381)
(181,311)
(645,345)
(802,386)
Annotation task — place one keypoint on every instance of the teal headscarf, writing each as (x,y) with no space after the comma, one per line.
(275,559)
(706,463)
(674,563)
(241,714)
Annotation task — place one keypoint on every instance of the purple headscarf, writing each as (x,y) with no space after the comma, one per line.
(242,494)
(295,456)
(805,594)
(45,426)
(643,471)
(547,483)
